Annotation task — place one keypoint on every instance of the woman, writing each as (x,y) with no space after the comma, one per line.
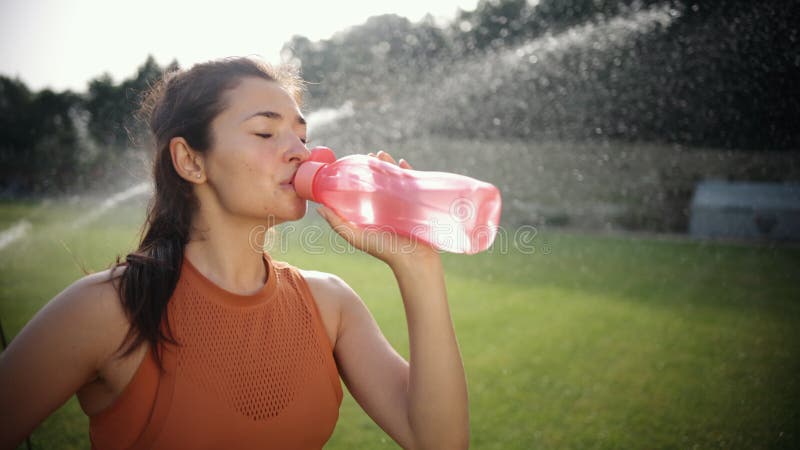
(198,341)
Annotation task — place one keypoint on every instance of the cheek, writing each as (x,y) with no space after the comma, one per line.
(231,166)
(243,174)
(229,174)
(246,181)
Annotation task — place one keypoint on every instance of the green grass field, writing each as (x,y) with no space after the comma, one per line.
(578,342)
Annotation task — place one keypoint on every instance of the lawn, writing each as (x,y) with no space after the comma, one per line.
(569,340)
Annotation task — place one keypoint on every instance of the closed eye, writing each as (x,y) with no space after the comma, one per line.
(268,135)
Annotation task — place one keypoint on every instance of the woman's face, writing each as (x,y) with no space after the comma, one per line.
(258,142)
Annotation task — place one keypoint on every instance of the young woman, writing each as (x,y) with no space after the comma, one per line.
(195,340)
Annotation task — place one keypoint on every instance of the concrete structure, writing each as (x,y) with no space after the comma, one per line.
(746,210)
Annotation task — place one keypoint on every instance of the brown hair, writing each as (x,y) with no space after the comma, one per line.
(183,103)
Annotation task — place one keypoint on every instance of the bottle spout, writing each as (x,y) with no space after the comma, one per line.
(304,178)
(322,154)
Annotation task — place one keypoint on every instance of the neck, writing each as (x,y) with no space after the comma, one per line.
(226,250)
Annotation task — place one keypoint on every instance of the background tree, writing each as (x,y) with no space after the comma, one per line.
(38,138)
(112,107)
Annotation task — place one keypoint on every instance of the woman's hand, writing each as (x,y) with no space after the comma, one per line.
(389,247)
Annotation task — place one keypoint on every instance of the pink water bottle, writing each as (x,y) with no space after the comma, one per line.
(450,212)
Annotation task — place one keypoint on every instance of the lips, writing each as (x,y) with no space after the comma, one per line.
(290,180)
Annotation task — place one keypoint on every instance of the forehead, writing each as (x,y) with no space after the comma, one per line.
(256,94)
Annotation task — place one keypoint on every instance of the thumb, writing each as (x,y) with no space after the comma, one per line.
(326,214)
(342,227)
(333,219)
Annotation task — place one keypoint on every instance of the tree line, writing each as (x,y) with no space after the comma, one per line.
(51,141)
(721,75)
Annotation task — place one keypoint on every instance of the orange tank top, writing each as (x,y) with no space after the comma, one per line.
(250,371)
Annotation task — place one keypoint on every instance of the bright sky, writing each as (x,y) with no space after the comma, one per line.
(62,44)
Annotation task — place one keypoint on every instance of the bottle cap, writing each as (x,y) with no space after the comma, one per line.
(304,178)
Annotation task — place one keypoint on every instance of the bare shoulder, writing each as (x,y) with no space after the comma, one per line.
(92,302)
(330,286)
(334,298)
(331,289)
(63,348)
(95,294)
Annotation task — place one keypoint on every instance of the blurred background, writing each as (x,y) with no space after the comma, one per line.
(644,294)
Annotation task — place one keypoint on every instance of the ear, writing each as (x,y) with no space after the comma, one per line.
(187,162)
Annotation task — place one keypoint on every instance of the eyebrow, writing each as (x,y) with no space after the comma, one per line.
(273,115)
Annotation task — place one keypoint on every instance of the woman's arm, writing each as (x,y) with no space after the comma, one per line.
(438,408)
(421,403)
(55,354)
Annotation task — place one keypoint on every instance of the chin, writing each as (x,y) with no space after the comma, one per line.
(297,212)
(301,212)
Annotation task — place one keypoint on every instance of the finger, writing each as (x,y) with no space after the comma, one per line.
(340,226)
(404,164)
(386,157)
(328,215)
(370,154)
(334,220)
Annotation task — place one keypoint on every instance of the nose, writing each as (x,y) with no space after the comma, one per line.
(297,151)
